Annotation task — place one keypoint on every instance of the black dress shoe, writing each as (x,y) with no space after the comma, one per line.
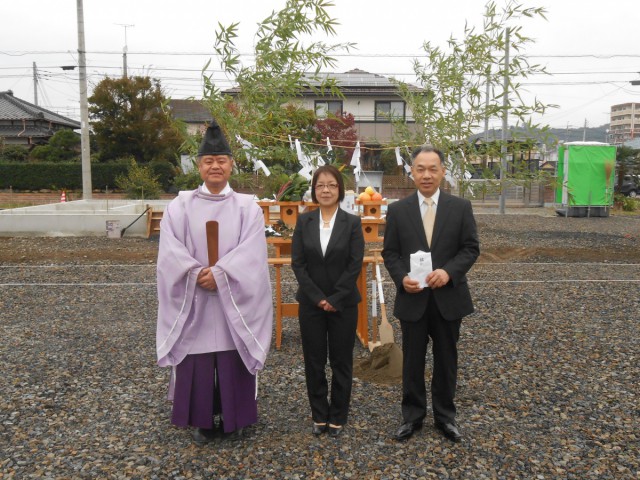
(407,429)
(318,429)
(235,435)
(335,431)
(450,430)
(203,435)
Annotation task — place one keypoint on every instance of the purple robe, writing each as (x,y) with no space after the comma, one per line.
(239,315)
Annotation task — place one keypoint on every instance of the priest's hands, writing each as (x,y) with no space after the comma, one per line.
(206,280)
(326,306)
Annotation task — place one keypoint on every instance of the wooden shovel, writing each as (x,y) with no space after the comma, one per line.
(212,241)
(374,316)
(386,331)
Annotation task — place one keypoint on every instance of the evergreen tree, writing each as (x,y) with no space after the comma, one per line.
(128,119)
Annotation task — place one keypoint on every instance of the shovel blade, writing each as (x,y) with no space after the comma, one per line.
(386,332)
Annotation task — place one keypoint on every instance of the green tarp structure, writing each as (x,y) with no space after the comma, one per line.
(585,174)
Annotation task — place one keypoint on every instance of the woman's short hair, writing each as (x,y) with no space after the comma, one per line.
(335,173)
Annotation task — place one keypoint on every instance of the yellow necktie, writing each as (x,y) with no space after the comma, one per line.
(429,219)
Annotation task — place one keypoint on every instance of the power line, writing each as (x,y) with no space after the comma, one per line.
(175,69)
(46,71)
(52,76)
(18,53)
(188,85)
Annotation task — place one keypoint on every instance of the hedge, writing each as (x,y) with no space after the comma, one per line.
(68,175)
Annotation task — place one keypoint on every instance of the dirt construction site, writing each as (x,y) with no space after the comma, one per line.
(547,387)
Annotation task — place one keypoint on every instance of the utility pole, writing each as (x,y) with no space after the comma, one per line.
(584,132)
(486,106)
(486,117)
(84,108)
(35,85)
(124,49)
(505,123)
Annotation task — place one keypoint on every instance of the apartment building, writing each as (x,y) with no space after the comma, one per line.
(625,123)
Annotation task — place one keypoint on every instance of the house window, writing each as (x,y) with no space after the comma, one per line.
(324,108)
(386,111)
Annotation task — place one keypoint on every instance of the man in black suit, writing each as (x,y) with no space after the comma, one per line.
(436,310)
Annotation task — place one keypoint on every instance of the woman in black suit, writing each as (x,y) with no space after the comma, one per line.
(326,257)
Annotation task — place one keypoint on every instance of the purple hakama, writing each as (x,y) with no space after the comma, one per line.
(208,384)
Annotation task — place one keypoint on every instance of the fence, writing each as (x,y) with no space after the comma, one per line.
(530,194)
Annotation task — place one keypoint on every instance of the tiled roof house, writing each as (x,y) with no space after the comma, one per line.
(23,123)
(372,99)
(193,113)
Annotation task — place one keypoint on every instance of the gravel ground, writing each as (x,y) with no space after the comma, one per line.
(548,384)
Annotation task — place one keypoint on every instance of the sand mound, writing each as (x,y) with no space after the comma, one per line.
(384,365)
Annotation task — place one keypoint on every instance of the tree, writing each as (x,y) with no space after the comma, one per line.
(342,131)
(13,153)
(63,146)
(286,63)
(627,161)
(140,182)
(128,120)
(455,82)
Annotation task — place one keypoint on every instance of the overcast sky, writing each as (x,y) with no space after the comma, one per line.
(590,47)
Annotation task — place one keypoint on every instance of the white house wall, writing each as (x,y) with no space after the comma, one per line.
(363,110)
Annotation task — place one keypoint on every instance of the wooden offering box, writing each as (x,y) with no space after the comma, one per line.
(289,212)
(371,208)
(371,229)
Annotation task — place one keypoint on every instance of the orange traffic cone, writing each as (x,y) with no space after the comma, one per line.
(63,197)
